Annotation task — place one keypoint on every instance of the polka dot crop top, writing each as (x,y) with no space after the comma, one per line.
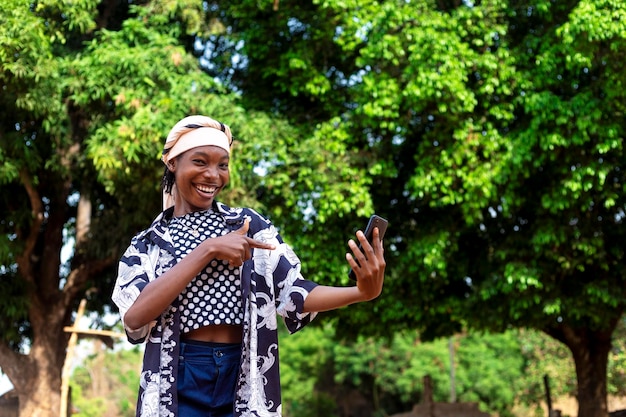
(214,296)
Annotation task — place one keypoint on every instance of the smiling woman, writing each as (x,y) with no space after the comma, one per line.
(215,277)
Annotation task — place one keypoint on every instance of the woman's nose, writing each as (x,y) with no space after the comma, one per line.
(211,172)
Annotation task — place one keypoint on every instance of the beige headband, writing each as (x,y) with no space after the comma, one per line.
(201,136)
(193,131)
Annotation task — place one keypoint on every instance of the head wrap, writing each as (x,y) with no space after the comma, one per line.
(194,131)
(191,132)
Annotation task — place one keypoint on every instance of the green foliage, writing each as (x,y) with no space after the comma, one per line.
(488,139)
(503,373)
(304,357)
(14,328)
(107,383)
(545,356)
(86,407)
(491,370)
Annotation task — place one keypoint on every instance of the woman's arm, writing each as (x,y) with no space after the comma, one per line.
(156,296)
(370,274)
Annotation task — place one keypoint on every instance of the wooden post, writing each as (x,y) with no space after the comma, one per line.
(428,395)
(452,370)
(546,385)
(67,366)
(69,356)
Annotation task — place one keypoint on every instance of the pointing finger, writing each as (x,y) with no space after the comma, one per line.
(243,230)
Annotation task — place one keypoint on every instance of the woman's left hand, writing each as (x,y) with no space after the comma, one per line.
(370,269)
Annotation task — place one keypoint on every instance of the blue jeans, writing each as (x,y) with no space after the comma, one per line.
(207,378)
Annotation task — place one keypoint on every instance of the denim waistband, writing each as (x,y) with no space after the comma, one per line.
(208,344)
(197,349)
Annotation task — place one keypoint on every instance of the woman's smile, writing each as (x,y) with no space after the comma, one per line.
(205,189)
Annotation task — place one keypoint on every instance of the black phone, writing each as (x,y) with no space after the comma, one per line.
(375,221)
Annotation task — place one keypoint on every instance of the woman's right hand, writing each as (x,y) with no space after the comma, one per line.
(235,247)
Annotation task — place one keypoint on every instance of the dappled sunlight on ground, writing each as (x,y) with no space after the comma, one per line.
(569,405)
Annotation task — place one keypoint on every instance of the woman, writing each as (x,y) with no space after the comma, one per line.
(204,283)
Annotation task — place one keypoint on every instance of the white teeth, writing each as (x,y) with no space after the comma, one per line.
(206,189)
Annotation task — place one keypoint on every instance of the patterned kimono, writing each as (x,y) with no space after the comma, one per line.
(271,284)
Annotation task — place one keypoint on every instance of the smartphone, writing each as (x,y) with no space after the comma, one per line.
(375,221)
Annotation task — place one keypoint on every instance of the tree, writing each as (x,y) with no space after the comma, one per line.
(89,91)
(493,132)
(490,134)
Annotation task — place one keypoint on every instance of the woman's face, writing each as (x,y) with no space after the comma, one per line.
(200,173)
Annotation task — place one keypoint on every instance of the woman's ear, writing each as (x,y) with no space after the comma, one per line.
(171,165)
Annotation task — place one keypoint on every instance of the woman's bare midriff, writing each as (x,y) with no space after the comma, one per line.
(216,333)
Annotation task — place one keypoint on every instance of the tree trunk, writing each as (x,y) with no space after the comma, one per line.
(591,365)
(590,350)
(36,377)
(40,395)
(42,398)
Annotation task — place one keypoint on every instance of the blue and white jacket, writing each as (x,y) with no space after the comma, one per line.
(271,285)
